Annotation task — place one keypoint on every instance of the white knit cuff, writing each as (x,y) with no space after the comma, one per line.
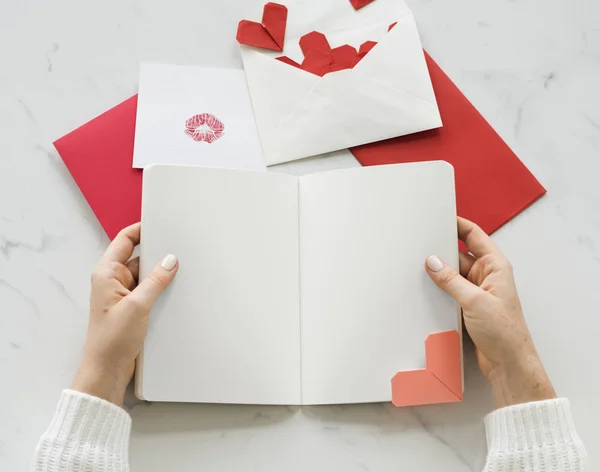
(85,431)
(535,436)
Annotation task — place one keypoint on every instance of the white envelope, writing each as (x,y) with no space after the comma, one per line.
(387,94)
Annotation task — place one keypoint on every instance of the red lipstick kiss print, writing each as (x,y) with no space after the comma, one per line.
(205,127)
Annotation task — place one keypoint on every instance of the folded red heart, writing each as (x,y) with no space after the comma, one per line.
(441,379)
(270,34)
(317,62)
(365,48)
(345,56)
(320,58)
(360,3)
(314,41)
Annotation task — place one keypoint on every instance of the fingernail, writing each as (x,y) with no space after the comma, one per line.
(434,263)
(169,262)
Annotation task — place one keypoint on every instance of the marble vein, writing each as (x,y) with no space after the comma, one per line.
(434,434)
(549,78)
(592,122)
(27,110)
(7,246)
(54,50)
(28,300)
(61,289)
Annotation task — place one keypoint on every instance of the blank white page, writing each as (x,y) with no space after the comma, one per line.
(227,330)
(367,302)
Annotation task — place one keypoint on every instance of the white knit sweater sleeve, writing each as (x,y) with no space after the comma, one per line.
(86,433)
(90,434)
(538,436)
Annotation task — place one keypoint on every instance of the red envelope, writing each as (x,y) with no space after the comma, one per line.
(492,184)
(99,156)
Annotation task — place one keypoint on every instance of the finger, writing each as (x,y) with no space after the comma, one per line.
(156,281)
(134,267)
(121,249)
(450,281)
(476,240)
(466,263)
(105,274)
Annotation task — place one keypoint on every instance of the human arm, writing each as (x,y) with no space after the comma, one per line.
(89,430)
(532,430)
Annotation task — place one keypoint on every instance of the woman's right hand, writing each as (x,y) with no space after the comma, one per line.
(493,317)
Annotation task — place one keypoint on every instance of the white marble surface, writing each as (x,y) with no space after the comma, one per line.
(529,65)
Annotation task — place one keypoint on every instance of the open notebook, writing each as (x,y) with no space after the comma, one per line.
(298,291)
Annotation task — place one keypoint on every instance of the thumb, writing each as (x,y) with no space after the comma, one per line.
(157,280)
(450,281)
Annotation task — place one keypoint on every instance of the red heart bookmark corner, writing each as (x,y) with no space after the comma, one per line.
(270,34)
(440,381)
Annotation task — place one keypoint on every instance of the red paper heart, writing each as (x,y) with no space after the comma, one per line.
(425,389)
(344,56)
(440,381)
(268,35)
(317,62)
(314,41)
(275,21)
(320,59)
(360,3)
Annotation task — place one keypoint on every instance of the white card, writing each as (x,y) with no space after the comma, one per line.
(192,115)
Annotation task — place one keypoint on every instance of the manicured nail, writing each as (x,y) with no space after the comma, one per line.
(434,263)
(169,262)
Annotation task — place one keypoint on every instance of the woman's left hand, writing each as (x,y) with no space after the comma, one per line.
(119,314)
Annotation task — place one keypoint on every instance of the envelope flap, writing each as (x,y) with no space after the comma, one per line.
(347,109)
(398,61)
(276,88)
